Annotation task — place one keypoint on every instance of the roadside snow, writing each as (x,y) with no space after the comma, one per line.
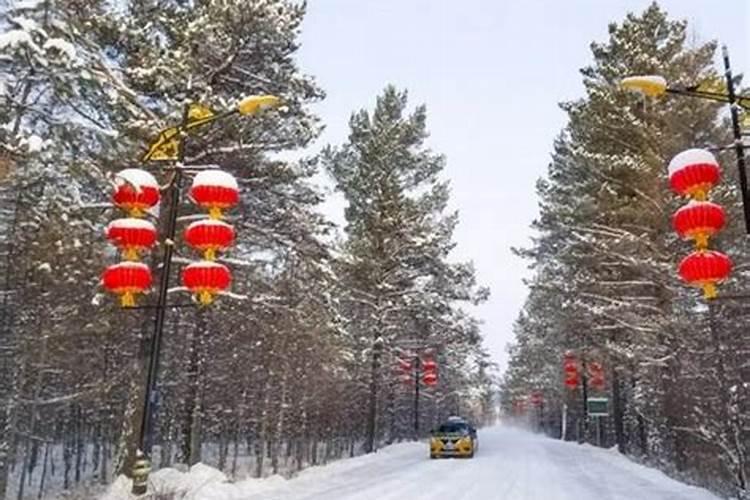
(510,465)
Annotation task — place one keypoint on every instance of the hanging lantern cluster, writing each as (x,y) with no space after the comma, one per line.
(136,191)
(214,191)
(693,173)
(405,371)
(429,371)
(570,370)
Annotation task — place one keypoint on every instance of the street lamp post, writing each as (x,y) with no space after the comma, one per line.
(170,146)
(655,86)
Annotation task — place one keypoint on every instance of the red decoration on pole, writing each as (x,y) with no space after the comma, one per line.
(429,372)
(135,191)
(210,236)
(205,279)
(132,236)
(699,220)
(570,368)
(127,279)
(704,269)
(215,190)
(693,173)
(596,373)
(404,365)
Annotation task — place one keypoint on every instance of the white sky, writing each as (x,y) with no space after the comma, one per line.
(491,73)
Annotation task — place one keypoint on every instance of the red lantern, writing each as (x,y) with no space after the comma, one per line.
(693,173)
(209,236)
(205,279)
(537,398)
(429,365)
(215,190)
(596,372)
(404,365)
(699,220)
(429,371)
(127,279)
(132,236)
(705,269)
(570,368)
(135,191)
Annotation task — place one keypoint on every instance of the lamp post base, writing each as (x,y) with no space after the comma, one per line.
(140,472)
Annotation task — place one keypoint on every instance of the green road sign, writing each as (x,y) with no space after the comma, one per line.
(597,407)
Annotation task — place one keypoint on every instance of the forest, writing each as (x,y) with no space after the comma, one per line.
(303,362)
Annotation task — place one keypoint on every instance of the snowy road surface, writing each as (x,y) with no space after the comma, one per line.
(510,464)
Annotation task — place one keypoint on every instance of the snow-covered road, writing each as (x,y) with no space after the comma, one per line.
(510,464)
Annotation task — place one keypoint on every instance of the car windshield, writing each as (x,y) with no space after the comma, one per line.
(453,428)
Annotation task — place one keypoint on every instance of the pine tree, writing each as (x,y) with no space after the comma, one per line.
(403,289)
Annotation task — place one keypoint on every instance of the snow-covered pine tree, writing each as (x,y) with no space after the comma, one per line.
(403,290)
(215,53)
(57,128)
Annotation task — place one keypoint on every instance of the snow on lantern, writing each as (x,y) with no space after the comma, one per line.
(209,236)
(135,191)
(699,221)
(127,279)
(132,236)
(705,269)
(215,190)
(693,173)
(205,279)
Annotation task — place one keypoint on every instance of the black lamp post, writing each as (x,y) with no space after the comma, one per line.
(170,147)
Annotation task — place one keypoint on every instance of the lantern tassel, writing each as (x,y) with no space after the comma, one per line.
(210,254)
(700,192)
(131,254)
(127,299)
(205,297)
(710,291)
(136,212)
(214,213)
(701,241)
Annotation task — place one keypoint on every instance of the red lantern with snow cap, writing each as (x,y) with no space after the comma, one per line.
(693,173)
(127,279)
(136,191)
(215,190)
(705,269)
(132,236)
(699,220)
(209,236)
(205,279)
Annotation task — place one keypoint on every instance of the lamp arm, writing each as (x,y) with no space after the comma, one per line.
(742,101)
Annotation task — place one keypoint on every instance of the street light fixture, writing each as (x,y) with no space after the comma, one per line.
(657,86)
(170,146)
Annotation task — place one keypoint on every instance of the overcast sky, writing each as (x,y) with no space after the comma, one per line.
(491,73)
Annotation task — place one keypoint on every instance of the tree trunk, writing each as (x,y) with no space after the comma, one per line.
(618,410)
